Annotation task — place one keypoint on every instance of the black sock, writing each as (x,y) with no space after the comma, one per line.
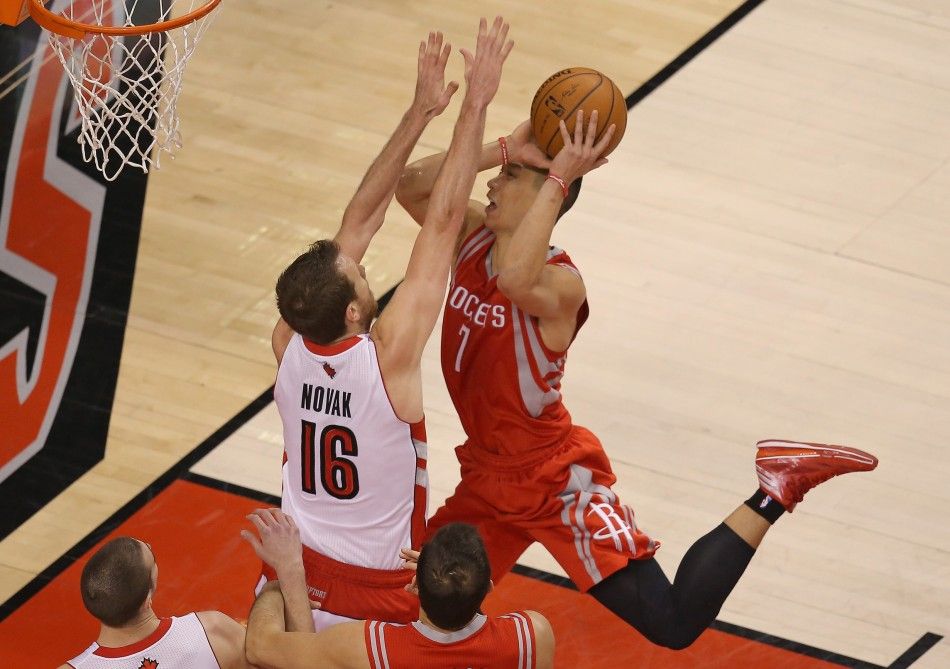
(765,506)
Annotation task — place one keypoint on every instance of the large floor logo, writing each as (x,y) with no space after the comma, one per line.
(49,228)
(68,244)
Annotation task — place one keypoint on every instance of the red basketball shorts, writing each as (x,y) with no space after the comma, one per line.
(357,592)
(562,500)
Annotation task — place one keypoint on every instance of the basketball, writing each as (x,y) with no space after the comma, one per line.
(563,94)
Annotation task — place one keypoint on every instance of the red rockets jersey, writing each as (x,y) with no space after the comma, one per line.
(502,642)
(505,383)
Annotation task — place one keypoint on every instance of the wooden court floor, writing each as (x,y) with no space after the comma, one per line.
(767,255)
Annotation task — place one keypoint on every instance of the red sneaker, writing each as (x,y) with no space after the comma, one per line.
(789,469)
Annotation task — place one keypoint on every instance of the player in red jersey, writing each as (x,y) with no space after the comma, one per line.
(349,391)
(529,474)
(452,578)
(117,585)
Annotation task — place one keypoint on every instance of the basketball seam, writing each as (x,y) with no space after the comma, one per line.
(610,113)
(538,95)
(537,101)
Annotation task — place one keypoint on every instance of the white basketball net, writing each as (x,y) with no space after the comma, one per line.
(126,87)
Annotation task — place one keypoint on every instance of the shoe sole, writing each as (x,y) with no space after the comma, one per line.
(867,460)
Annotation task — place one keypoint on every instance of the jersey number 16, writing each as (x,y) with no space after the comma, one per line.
(338,474)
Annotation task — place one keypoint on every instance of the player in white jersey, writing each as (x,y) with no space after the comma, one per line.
(350,395)
(117,587)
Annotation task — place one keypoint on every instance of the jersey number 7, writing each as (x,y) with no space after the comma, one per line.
(338,474)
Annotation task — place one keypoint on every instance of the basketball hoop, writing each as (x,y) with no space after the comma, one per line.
(125,59)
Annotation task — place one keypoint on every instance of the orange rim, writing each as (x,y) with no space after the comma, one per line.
(77,30)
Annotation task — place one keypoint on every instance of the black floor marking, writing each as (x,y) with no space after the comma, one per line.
(691,52)
(179,471)
(912,654)
(793,646)
(266,499)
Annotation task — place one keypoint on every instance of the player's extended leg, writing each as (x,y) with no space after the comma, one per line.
(674,615)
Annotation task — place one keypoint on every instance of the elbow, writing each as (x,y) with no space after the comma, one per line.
(445,216)
(252,649)
(255,649)
(514,284)
(406,187)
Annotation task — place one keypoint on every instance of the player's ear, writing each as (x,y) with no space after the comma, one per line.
(354,313)
(491,585)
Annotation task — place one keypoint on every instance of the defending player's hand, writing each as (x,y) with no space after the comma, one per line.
(483,70)
(580,154)
(411,558)
(523,150)
(432,95)
(279,542)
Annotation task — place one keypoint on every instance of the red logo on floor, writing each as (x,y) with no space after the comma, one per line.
(49,229)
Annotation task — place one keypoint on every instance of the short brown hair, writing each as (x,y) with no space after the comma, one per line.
(453,576)
(116,581)
(312,294)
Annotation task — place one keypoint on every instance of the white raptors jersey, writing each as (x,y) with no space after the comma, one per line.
(178,643)
(354,474)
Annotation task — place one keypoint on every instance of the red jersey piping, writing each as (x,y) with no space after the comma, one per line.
(331,349)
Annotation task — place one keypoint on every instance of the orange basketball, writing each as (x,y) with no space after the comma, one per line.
(567,91)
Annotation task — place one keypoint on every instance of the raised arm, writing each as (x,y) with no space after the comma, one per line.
(542,290)
(418,179)
(278,545)
(404,327)
(364,214)
(270,645)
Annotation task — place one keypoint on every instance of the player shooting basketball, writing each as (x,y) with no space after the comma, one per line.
(350,395)
(514,307)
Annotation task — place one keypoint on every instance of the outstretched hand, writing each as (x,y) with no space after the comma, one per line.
(279,542)
(432,95)
(580,155)
(483,70)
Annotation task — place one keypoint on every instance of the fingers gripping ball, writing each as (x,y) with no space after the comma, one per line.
(566,92)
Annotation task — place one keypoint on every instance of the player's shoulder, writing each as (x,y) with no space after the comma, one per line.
(226,637)
(219,625)
(539,623)
(558,257)
(543,638)
(474,217)
(474,223)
